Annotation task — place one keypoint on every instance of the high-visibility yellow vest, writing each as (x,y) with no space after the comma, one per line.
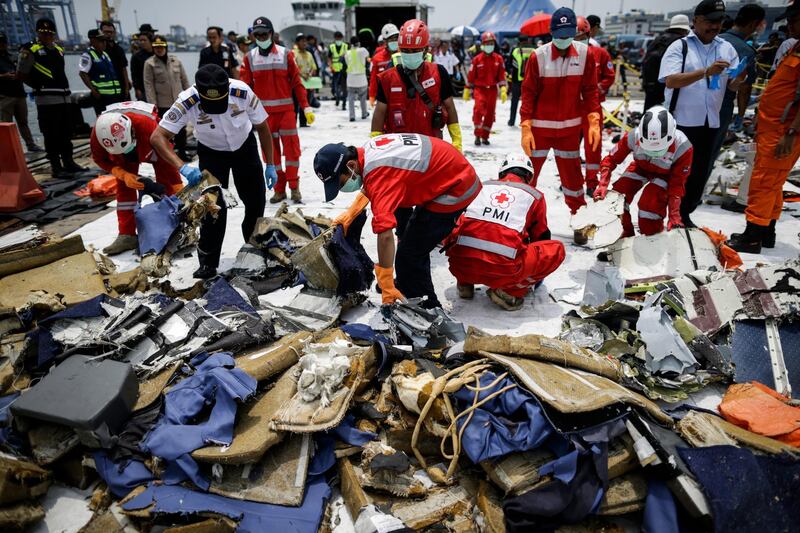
(337,53)
(521,56)
(102,74)
(354,66)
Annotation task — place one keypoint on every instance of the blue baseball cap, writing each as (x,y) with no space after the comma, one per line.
(329,164)
(563,23)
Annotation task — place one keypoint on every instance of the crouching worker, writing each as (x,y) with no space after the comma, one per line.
(502,240)
(402,170)
(662,160)
(120,141)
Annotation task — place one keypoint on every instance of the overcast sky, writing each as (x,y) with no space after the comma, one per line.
(196,15)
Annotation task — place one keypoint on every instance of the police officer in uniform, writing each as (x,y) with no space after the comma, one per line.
(98,73)
(519,57)
(41,66)
(224,113)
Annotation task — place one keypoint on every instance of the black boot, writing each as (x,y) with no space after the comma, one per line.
(71,166)
(205,272)
(768,240)
(56,169)
(748,242)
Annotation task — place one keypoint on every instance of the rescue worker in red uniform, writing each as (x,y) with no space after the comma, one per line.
(605,79)
(403,170)
(502,240)
(382,58)
(662,160)
(272,73)
(486,74)
(120,141)
(415,97)
(560,84)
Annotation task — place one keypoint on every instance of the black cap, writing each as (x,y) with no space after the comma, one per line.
(96,34)
(262,24)
(791,10)
(593,20)
(329,165)
(212,84)
(711,10)
(46,25)
(147,28)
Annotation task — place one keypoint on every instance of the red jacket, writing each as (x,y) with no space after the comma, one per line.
(409,170)
(499,224)
(669,171)
(556,89)
(605,70)
(411,116)
(274,77)
(381,60)
(143,127)
(487,71)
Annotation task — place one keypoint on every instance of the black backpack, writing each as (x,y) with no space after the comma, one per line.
(651,63)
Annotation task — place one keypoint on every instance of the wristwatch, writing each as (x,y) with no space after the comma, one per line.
(791,132)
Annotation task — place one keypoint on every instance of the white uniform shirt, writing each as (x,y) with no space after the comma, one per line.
(449,61)
(225,132)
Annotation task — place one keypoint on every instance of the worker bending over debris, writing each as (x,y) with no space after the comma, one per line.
(662,160)
(502,240)
(485,75)
(120,141)
(224,113)
(402,170)
(560,85)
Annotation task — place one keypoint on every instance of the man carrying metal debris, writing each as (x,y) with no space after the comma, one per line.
(502,240)
(120,141)
(560,84)
(662,160)
(402,170)
(224,113)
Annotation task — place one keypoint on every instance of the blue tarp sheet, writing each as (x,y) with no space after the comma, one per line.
(506,16)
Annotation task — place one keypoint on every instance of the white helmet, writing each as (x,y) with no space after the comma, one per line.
(115,133)
(516,160)
(389,30)
(656,131)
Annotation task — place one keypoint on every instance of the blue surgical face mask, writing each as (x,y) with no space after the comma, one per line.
(264,44)
(656,153)
(392,45)
(338,42)
(488,48)
(412,60)
(353,184)
(563,44)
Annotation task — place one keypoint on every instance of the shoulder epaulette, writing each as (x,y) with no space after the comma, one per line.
(190,102)
(238,93)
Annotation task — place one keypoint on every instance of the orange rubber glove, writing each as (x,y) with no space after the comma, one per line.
(345,219)
(128,178)
(674,219)
(389,292)
(594,130)
(528,144)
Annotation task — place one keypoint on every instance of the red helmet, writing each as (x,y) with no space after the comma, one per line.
(583,25)
(488,36)
(413,34)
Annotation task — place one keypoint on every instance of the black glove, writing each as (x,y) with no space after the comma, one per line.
(153,188)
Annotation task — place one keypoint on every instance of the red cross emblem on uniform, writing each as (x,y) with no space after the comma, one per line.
(383,141)
(502,199)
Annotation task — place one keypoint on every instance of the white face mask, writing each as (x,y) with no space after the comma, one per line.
(392,45)
(656,153)
(488,48)
(353,184)
(264,44)
(563,44)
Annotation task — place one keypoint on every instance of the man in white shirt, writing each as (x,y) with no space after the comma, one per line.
(446,58)
(357,84)
(695,71)
(224,113)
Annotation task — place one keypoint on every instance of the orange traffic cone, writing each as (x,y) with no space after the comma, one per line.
(18,189)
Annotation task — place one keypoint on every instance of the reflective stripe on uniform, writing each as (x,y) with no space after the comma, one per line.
(285,133)
(554,68)
(570,192)
(523,186)
(682,149)
(487,246)
(592,166)
(634,176)
(556,124)
(126,206)
(660,182)
(658,162)
(277,102)
(44,70)
(268,62)
(649,215)
(416,164)
(567,154)
(276,135)
(446,199)
(292,163)
(540,153)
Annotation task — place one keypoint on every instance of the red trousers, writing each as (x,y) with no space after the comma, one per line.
(568,161)
(515,277)
(128,199)
(284,131)
(592,156)
(483,110)
(652,203)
